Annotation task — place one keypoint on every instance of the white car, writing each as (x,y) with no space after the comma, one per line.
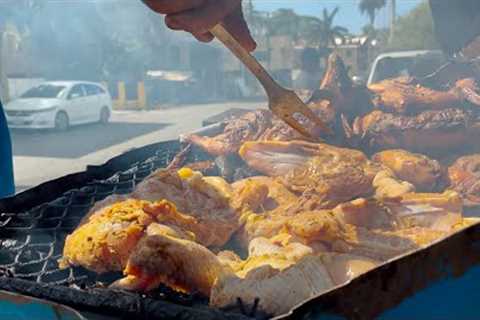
(59,105)
(416,63)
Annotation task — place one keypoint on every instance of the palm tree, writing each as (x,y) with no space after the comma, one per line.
(331,32)
(370,8)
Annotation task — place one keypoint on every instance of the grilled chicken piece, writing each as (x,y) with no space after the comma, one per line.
(106,238)
(280,288)
(352,223)
(387,186)
(464,177)
(245,128)
(277,291)
(206,199)
(164,257)
(261,195)
(435,211)
(407,96)
(338,92)
(327,174)
(430,132)
(345,267)
(425,174)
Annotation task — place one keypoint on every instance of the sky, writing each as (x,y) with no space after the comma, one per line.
(349,16)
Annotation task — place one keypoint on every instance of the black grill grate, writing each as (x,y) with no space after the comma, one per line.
(31,242)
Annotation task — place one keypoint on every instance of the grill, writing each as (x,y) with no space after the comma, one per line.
(32,235)
(32,241)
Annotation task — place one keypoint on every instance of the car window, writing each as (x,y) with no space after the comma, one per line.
(100,90)
(44,91)
(416,66)
(90,89)
(76,91)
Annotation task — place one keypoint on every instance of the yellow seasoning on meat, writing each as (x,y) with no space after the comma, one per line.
(185,173)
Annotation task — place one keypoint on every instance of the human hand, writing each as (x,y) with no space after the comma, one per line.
(199,16)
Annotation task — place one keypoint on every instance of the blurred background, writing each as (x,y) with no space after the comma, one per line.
(164,83)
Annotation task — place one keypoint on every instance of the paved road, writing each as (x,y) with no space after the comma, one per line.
(42,156)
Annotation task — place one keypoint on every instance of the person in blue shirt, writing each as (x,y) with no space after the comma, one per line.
(7,185)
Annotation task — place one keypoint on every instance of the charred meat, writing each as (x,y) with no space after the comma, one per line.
(431,132)
(407,96)
(464,177)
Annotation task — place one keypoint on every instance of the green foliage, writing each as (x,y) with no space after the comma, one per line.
(285,22)
(330,31)
(414,31)
(370,8)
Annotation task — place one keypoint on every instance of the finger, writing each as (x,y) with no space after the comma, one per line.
(173,6)
(172,23)
(237,26)
(203,37)
(202,19)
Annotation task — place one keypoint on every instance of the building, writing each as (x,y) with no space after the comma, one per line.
(357,52)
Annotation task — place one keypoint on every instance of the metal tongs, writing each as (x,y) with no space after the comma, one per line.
(282,102)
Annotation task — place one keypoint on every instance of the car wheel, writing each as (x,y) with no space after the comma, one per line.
(104,115)
(62,123)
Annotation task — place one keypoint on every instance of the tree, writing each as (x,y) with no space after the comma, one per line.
(415,31)
(311,30)
(370,8)
(284,22)
(329,31)
(19,13)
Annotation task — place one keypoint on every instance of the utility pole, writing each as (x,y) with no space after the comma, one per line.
(393,17)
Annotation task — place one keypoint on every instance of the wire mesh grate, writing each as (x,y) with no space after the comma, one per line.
(32,242)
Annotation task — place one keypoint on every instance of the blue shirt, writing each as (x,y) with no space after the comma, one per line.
(7,185)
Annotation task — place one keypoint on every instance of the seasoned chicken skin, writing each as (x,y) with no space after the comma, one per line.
(164,257)
(206,199)
(198,206)
(424,173)
(464,176)
(245,128)
(329,174)
(105,240)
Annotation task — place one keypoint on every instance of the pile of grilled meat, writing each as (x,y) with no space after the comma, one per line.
(284,219)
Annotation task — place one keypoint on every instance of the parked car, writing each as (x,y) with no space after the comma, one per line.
(59,105)
(416,63)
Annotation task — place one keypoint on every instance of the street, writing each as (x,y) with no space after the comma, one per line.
(40,156)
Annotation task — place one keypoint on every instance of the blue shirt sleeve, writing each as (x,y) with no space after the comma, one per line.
(7,185)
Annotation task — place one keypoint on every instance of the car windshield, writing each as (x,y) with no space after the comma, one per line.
(415,66)
(44,91)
